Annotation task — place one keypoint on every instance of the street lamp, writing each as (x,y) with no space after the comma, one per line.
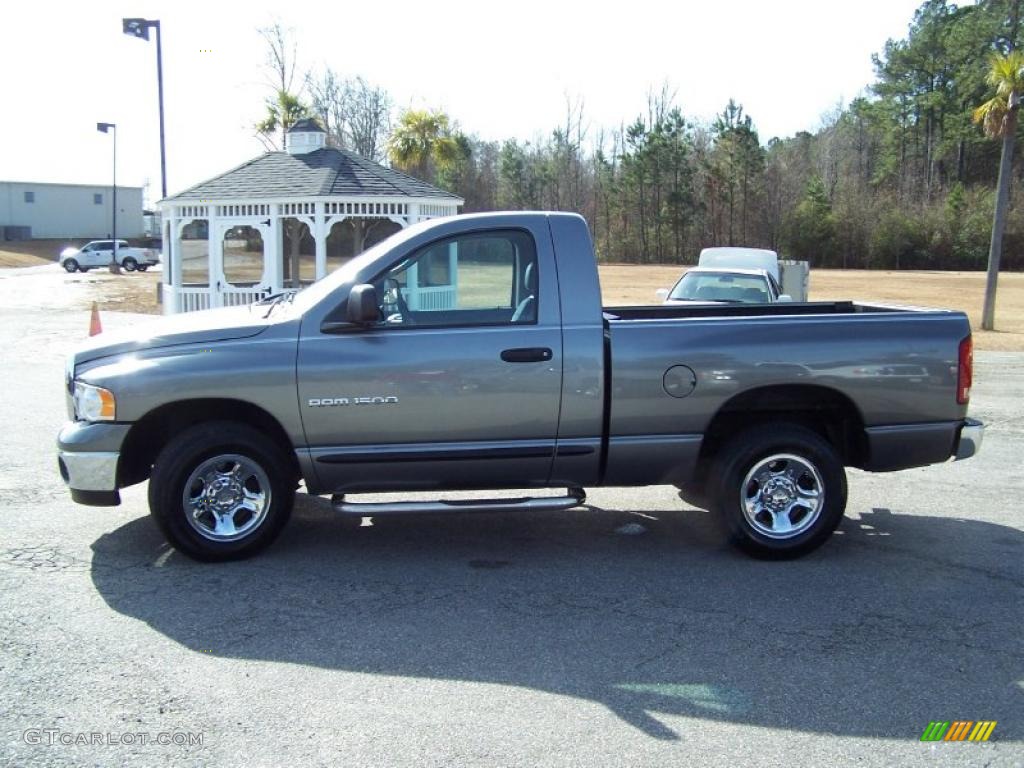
(140,28)
(104,128)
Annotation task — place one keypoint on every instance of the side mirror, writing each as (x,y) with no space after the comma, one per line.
(784,297)
(661,293)
(362,305)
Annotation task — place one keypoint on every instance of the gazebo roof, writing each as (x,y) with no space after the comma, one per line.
(325,172)
(306,125)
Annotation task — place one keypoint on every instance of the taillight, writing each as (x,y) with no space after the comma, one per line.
(965,371)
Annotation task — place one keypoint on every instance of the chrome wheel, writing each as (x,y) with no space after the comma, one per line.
(226,497)
(782,496)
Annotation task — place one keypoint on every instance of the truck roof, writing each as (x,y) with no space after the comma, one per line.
(730,257)
(729,271)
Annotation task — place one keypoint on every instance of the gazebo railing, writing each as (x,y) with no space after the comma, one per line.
(426,298)
(240,295)
(193,297)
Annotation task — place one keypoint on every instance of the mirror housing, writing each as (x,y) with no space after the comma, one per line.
(784,297)
(362,305)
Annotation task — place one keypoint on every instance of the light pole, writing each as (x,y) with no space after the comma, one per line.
(104,128)
(140,28)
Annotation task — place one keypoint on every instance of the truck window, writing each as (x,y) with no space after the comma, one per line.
(721,286)
(486,278)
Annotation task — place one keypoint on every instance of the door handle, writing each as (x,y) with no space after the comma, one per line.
(526,355)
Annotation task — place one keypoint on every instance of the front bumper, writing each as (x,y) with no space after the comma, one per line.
(969,441)
(87,457)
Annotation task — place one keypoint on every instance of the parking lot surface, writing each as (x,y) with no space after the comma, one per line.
(623,634)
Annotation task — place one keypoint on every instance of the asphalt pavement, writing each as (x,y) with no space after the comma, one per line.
(625,634)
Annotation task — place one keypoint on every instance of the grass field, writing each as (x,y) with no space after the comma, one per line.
(32,253)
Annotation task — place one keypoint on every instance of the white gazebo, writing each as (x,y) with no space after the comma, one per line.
(228,236)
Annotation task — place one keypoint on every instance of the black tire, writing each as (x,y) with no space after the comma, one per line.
(70,265)
(206,444)
(129,264)
(790,522)
(142,267)
(694,493)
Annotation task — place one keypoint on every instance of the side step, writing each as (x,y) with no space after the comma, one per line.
(575,497)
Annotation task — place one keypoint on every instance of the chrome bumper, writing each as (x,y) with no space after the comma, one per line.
(93,471)
(969,442)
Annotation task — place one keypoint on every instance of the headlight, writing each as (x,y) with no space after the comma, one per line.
(93,403)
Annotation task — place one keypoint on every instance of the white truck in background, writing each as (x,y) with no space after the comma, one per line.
(740,275)
(99,253)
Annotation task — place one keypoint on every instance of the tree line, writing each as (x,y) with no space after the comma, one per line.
(902,177)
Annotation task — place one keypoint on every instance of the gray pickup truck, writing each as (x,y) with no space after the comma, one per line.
(474,353)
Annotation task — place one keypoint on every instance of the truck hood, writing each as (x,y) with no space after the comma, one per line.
(187,328)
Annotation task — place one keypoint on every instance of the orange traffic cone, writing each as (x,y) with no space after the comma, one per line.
(94,321)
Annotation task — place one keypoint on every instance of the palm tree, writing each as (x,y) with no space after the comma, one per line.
(282,112)
(423,143)
(998,117)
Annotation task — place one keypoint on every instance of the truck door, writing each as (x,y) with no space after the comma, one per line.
(457,384)
(102,253)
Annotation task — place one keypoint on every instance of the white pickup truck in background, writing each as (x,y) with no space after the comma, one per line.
(740,275)
(99,253)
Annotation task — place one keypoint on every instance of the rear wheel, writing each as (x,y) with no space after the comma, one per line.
(70,265)
(221,491)
(129,264)
(780,490)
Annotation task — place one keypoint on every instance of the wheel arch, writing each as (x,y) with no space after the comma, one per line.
(152,432)
(827,411)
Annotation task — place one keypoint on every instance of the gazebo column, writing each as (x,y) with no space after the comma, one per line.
(273,253)
(171,288)
(320,232)
(453,272)
(215,258)
(414,213)
(177,270)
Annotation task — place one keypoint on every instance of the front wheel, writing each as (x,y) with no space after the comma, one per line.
(221,491)
(70,265)
(780,490)
(142,267)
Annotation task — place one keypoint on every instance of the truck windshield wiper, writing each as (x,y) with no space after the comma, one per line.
(275,299)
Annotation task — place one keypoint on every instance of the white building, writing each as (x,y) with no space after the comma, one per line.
(283,220)
(82,211)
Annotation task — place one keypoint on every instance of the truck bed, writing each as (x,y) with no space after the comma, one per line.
(893,369)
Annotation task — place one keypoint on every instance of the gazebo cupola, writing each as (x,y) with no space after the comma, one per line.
(283,219)
(304,136)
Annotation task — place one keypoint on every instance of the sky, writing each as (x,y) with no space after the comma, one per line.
(500,69)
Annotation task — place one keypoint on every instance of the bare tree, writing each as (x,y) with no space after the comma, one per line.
(281,55)
(355,114)
(284,106)
(369,118)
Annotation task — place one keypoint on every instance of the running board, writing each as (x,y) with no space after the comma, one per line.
(576,497)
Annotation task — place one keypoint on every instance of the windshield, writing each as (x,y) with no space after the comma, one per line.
(721,286)
(319,290)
